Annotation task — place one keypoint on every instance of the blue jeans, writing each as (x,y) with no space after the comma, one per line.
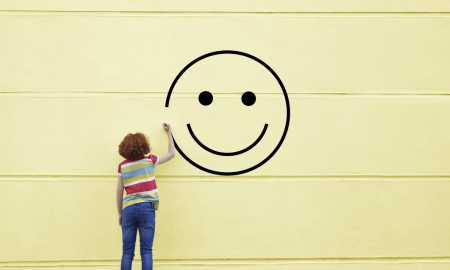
(140,216)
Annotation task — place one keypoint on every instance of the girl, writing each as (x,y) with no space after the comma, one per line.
(137,208)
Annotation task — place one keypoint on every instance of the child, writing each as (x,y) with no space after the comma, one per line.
(137,208)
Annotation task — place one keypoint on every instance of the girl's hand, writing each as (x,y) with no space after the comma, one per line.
(167,127)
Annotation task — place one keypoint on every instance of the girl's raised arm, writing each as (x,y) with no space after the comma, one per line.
(171,149)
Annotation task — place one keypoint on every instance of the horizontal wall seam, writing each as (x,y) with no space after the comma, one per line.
(232,93)
(244,261)
(228,12)
(213,178)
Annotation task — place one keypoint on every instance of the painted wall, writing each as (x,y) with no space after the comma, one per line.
(361,181)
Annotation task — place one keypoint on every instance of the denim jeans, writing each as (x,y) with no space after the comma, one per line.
(140,216)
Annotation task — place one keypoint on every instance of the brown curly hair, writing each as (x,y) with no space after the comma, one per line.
(134,146)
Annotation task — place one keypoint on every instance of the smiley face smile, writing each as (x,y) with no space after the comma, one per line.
(261,135)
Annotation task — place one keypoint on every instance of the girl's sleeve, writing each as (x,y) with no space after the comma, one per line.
(154,158)
(119,170)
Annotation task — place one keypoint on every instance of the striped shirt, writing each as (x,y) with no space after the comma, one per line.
(139,180)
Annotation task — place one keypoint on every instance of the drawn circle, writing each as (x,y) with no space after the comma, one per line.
(248,98)
(286,99)
(205,98)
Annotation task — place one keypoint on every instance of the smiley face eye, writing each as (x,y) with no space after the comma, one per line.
(248,98)
(205,98)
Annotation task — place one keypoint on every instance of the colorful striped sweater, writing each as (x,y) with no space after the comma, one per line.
(139,180)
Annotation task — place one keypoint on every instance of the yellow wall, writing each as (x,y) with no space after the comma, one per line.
(361,181)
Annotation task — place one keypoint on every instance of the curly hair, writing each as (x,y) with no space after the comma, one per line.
(134,146)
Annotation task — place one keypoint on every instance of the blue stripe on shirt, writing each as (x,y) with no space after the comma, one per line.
(137,172)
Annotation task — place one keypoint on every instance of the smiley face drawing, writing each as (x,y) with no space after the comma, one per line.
(225,68)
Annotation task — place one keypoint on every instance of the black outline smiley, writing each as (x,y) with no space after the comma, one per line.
(286,98)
